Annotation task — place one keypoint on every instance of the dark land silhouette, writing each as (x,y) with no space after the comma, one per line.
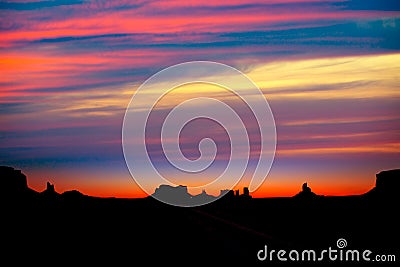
(55,228)
(179,195)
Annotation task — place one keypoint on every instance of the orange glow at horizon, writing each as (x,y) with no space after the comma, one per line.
(277,184)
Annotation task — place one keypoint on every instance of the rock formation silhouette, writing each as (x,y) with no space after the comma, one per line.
(387,185)
(178,194)
(203,197)
(49,191)
(14,183)
(14,180)
(305,193)
(73,226)
(388,182)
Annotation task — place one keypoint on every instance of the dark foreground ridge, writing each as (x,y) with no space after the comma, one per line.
(52,228)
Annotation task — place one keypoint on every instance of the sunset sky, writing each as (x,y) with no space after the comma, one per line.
(330,71)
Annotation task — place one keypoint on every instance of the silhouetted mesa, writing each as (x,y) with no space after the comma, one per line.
(387,184)
(178,194)
(14,183)
(388,181)
(73,194)
(13,179)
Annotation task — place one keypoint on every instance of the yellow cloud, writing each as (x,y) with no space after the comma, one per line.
(327,78)
(371,76)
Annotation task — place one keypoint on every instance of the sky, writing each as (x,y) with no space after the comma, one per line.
(329,70)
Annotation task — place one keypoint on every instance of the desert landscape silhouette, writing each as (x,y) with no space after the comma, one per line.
(72,227)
